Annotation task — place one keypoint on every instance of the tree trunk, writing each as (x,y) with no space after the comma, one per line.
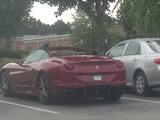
(99,26)
(100,35)
(100,38)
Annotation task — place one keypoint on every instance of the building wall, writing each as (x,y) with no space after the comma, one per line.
(32,43)
(18,43)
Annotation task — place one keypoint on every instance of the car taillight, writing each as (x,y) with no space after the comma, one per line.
(119,64)
(157,60)
(69,66)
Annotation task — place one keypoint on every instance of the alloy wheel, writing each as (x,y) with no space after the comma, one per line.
(5,85)
(141,85)
(43,92)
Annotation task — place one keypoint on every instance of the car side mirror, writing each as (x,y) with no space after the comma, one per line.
(19,61)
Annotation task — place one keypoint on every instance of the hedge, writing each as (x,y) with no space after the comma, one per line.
(4,53)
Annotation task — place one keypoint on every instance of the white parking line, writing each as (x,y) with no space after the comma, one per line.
(141,100)
(28,107)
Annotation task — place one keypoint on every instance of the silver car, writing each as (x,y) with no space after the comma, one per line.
(141,58)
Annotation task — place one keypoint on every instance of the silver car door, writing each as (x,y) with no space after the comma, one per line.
(131,60)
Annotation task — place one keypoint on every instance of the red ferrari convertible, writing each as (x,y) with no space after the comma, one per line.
(55,73)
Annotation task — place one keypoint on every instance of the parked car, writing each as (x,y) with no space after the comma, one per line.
(52,73)
(141,58)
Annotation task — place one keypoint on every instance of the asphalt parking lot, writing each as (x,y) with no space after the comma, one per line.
(130,107)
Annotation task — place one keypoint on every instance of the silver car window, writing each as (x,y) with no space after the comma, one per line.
(154,45)
(133,48)
(117,50)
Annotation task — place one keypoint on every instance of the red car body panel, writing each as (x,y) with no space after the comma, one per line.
(67,72)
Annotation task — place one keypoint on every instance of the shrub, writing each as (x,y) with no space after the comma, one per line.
(12,54)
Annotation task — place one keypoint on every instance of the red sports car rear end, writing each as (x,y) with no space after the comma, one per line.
(88,76)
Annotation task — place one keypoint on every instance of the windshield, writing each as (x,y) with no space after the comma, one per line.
(60,53)
(154,45)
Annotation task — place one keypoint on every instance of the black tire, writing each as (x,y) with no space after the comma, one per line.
(5,86)
(140,84)
(114,94)
(43,89)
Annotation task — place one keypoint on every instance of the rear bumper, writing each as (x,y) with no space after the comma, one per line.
(81,85)
(59,88)
(72,80)
(89,91)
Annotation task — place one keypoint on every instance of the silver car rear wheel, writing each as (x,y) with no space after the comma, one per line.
(141,86)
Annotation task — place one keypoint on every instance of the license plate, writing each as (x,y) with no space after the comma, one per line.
(97,77)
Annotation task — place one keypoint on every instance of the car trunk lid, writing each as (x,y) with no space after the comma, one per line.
(93,64)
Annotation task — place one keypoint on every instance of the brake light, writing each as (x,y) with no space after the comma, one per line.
(119,64)
(157,60)
(69,66)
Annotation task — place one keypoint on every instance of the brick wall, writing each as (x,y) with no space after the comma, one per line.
(32,43)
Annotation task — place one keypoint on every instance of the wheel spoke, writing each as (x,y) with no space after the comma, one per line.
(5,85)
(42,87)
(140,84)
(4,82)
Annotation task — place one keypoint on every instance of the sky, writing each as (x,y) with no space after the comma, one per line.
(46,13)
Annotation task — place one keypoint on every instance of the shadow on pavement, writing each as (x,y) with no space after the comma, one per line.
(83,102)
(95,101)
(69,101)
(153,93)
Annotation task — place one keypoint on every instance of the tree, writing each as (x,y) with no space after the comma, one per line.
(36,27)
(12,16)
(126,16)
(140,18)
(83,32)
(61,28)
(148,17)
(95,9)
